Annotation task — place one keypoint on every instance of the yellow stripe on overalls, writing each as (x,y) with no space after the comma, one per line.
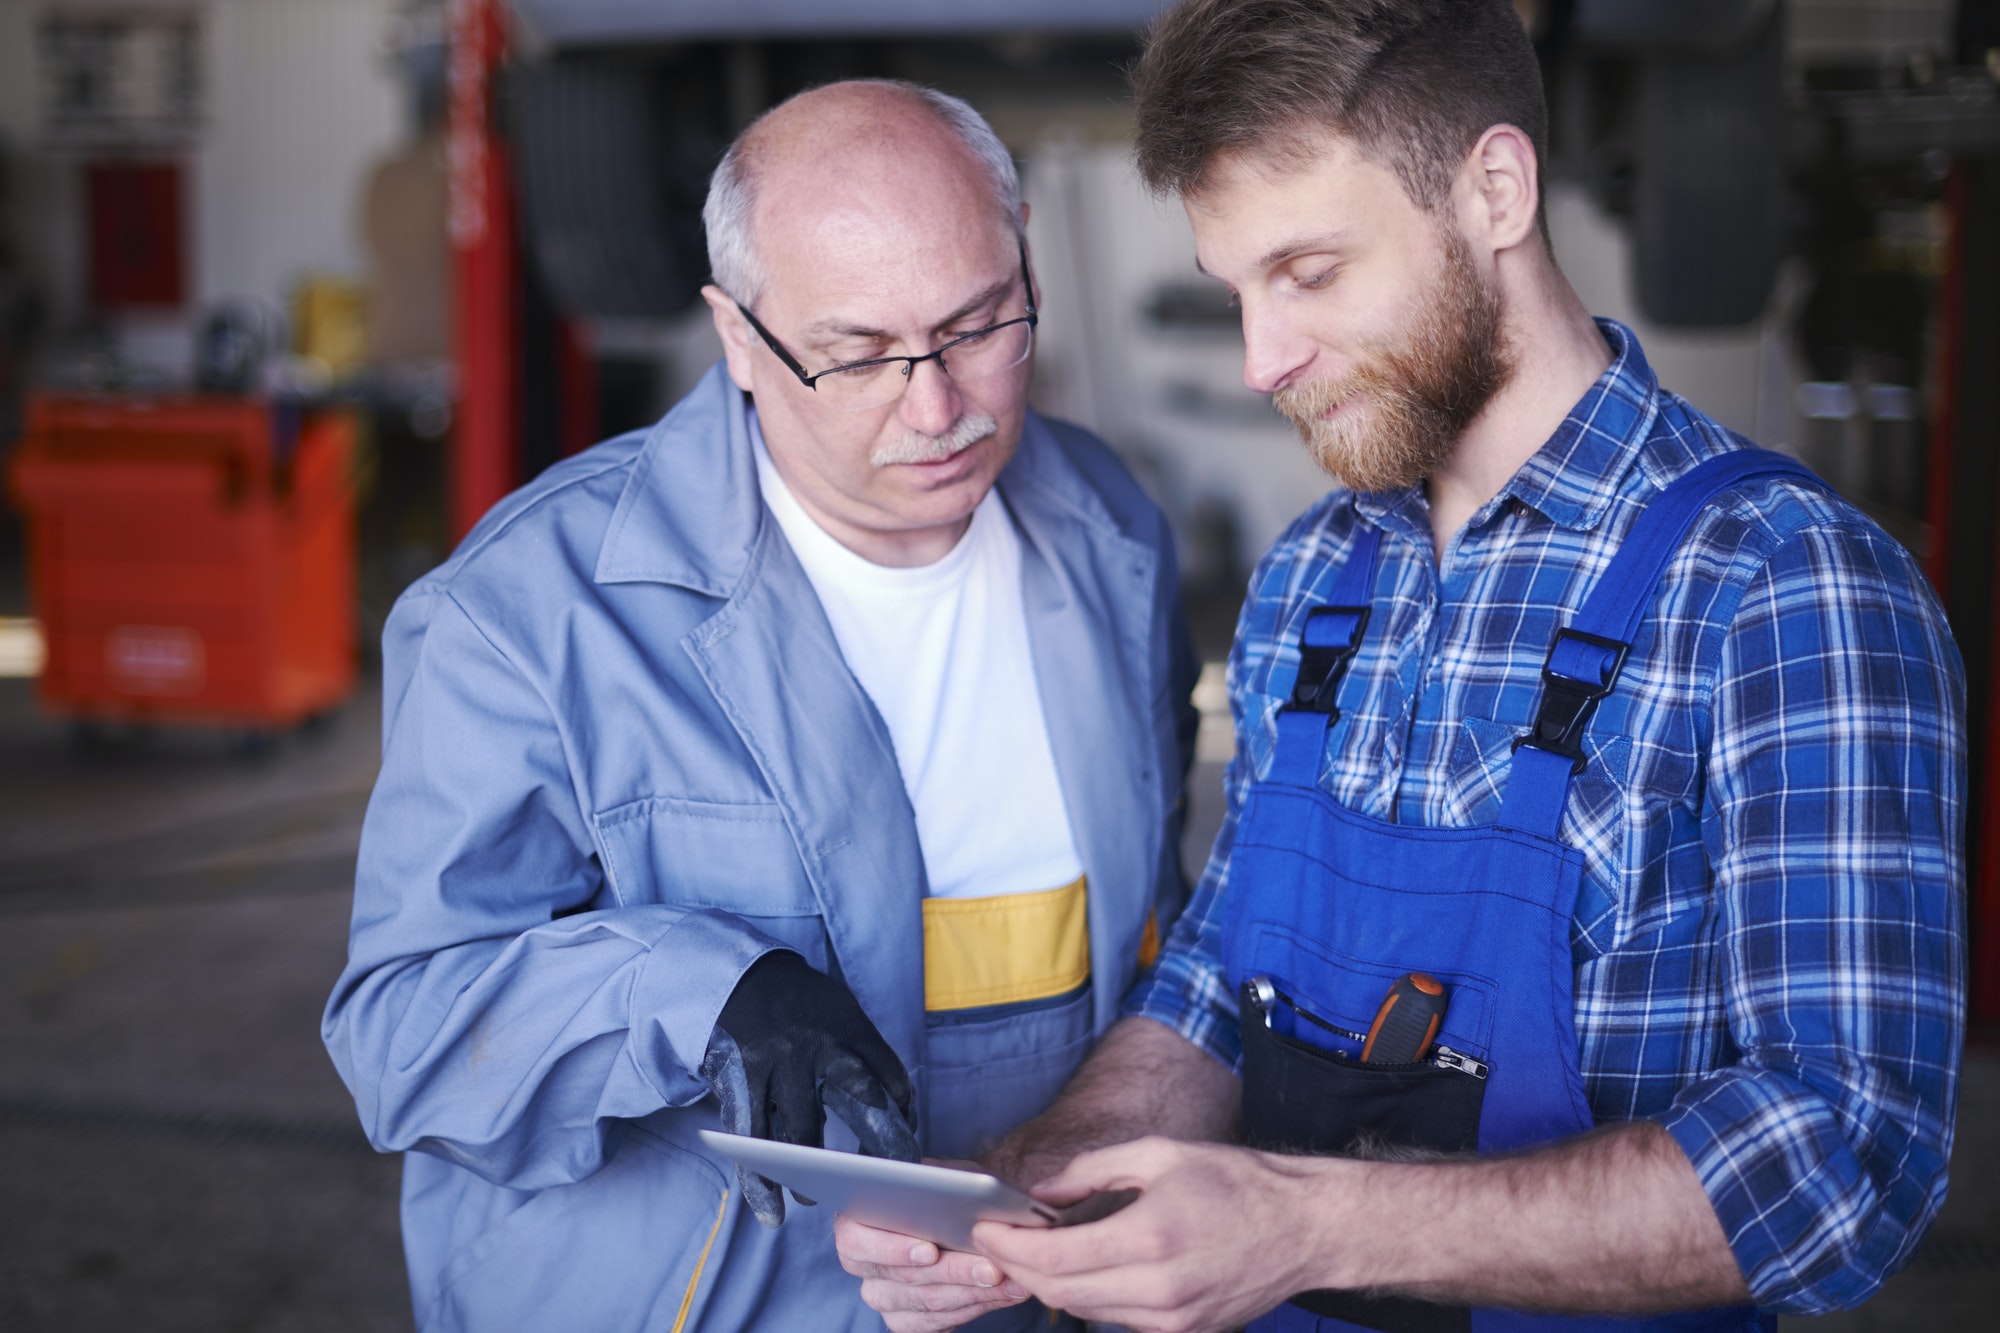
(1006,949)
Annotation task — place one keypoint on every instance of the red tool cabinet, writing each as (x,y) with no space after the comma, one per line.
(191,558)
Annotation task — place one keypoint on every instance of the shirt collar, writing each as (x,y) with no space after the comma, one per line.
(1571,479)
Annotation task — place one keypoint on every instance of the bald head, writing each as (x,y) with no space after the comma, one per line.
(851,155)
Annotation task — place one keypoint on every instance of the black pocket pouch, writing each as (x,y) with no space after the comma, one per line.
(1298,1098)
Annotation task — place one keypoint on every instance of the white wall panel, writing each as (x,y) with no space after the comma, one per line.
(298,102)
(301,103)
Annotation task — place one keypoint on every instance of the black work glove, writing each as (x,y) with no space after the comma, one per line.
(790,1044)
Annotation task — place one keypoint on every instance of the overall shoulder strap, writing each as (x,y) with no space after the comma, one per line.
(1587,654)
(1327,643)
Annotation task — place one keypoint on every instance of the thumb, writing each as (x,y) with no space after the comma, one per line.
(763,1197)
(881,1130)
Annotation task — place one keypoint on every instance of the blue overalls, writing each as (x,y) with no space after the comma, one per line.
(1328,908)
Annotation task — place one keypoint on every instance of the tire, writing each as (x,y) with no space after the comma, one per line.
(610,189)
(1709,185)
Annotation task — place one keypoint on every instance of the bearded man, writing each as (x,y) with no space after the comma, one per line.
(819,748)
(1583,944)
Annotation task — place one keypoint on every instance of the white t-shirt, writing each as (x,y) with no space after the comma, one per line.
(942,650)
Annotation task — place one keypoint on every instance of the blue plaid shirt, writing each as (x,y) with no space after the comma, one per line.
(1769,941)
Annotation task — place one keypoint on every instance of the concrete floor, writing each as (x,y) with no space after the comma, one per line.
(176,1151)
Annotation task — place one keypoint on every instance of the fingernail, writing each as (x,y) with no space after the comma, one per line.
(923,1255)
(1014,1291)
(986,1275)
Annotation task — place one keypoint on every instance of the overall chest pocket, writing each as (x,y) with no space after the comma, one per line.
(726,857)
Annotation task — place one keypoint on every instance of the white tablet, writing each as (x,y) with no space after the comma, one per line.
(935,1202)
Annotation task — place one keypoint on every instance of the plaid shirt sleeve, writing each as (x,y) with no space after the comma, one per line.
(1832,823)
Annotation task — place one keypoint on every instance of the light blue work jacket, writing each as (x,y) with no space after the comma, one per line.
(622,759)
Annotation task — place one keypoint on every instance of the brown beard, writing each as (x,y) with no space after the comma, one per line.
(1421,395)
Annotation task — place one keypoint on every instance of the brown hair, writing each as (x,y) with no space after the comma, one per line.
(1413,83)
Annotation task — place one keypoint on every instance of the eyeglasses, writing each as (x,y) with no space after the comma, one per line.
(859,385)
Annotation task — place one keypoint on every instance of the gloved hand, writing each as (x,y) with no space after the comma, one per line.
(790,1044)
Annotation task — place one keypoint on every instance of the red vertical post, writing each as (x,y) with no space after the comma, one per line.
(578,380)
(1950,320)
(485,442)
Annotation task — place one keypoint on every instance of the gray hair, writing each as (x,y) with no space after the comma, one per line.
(732,191)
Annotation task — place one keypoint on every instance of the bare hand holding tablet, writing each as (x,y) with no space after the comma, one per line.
(936,1203)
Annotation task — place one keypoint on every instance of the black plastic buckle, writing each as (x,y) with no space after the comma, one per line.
(1567,702)
(1321,666)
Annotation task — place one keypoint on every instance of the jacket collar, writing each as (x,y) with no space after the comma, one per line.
(691,512)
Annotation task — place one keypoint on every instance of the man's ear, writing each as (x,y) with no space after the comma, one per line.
(1502,188)
(739,340)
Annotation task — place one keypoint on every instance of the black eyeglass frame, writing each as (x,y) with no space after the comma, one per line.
(910,363)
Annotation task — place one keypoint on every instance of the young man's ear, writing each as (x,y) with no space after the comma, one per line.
(739,340)
(1501,188)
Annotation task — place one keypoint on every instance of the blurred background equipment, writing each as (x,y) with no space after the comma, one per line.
(403,224)
(330,324)
(193,558)
(612,188)
(480,221)
(230,348)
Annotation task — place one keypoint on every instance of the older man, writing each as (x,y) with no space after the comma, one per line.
(1624,758)
(819,748)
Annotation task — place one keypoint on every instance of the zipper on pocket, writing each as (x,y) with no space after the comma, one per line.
(1458,1060)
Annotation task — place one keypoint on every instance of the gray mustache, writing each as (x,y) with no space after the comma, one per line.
(917,447)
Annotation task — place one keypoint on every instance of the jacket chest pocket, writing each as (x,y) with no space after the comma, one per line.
(726,857)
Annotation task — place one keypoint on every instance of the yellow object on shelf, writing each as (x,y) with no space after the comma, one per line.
(330,322)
